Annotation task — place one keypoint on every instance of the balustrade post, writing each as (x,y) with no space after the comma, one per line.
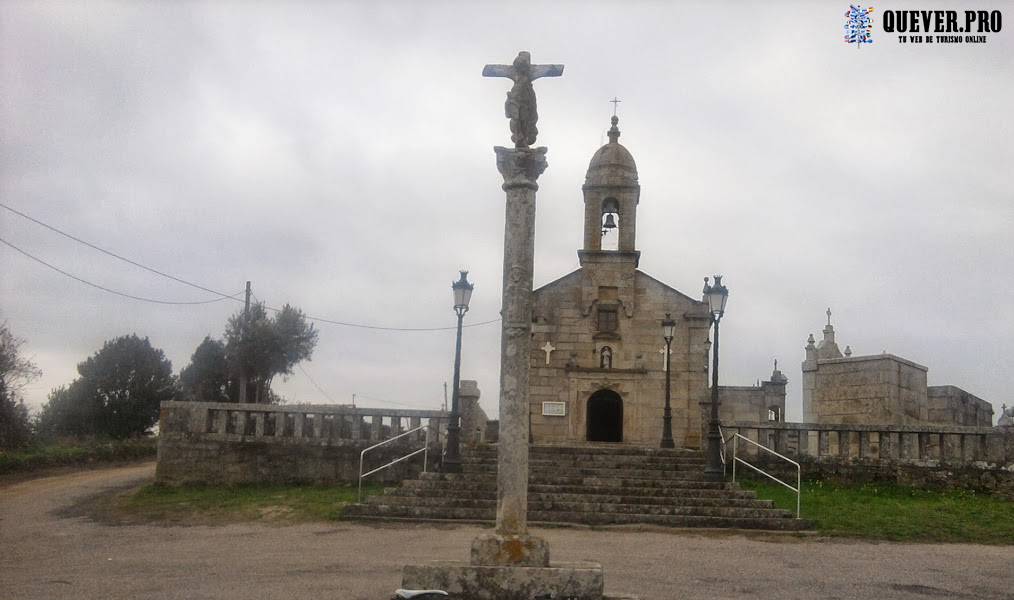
(280,423)
(923,445)
(223,421)
(298,425)
(844,444)
(378,428)
(864,444)
(907,449)
(803,442)
(823,443)
(951,448)
(259,424)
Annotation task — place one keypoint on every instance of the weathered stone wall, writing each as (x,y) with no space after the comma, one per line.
(206,461)
(868,390)
(924,455)
(566,314)
(952,405)
(216,443)
(981,477)
(880,389)
(751,403)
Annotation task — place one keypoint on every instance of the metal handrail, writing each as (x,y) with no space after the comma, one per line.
(735,458)
(425,450)
(721,448)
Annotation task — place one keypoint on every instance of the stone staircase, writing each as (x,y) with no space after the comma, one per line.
(589,485)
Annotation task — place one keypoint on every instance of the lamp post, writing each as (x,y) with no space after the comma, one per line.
(462,294)
(716,296)
(668,328)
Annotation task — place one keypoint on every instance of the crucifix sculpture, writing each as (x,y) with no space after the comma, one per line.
(520,107)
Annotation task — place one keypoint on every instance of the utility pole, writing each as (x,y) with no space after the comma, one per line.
(445,397)
(242,345)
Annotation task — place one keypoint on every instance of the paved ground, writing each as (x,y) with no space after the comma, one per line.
(45,556)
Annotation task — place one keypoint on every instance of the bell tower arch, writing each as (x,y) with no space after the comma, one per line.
(611,194)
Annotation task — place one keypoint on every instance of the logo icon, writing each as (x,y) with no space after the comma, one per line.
(858,25)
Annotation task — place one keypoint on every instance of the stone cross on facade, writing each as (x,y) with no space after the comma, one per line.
(665,357)
(548,349)
(520,107)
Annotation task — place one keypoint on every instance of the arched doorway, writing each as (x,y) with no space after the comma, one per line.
(605,417)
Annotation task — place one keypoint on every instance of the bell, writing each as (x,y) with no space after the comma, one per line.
(610,222)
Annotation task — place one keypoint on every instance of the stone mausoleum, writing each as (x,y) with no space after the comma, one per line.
(598,355)
(880,389)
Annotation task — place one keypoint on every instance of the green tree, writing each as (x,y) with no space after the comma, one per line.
(206,378)
(117,394)
(16,372)
(263,346)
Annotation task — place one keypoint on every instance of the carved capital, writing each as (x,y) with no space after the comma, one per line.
(521,167)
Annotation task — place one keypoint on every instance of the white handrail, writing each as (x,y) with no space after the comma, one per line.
(425,450)
(735,458)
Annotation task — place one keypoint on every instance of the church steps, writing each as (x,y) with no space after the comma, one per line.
(690,498)
(563,461)
(601,472)
(587,485)
(560,517)
(697,481)
(478,480)
(442,489)
(418,488)
(697,507)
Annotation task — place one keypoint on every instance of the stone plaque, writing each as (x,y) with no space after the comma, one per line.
(554,409)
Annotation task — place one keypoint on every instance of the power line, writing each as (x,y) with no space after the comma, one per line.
(114,255)
(103,288)
(315,384)
(358,395)
(223,296)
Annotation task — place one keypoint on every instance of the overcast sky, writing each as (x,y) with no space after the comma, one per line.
(340,157)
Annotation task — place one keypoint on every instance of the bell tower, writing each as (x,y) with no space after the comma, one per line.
(611,194)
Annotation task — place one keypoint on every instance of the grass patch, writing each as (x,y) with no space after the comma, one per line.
(210,504)
(58,454)
(897,513)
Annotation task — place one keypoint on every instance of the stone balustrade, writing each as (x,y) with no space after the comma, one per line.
(297,423)
(929,445)
(212,442)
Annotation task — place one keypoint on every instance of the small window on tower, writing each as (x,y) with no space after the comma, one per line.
(608,321)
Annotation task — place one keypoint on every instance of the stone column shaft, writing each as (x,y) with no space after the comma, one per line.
(520,169)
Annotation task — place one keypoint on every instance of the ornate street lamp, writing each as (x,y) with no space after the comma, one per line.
(462,294)
(668,329)
(716,296)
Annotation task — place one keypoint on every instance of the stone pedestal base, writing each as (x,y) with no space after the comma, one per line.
(573,581)
(493,550)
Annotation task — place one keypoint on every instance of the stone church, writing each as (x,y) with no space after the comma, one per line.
(598,355)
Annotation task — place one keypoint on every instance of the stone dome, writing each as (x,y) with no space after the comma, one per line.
(612,164)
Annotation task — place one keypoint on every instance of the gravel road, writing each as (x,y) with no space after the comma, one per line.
(45,554)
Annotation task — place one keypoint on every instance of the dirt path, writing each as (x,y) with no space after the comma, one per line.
(44,556)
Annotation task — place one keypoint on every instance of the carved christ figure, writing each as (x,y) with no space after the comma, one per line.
(520,107)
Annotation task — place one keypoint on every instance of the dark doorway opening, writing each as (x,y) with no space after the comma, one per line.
(605,417)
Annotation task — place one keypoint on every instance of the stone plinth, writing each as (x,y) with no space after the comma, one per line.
(577,581)
(506,550)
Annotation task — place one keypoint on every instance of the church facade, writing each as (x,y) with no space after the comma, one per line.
(598,356)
